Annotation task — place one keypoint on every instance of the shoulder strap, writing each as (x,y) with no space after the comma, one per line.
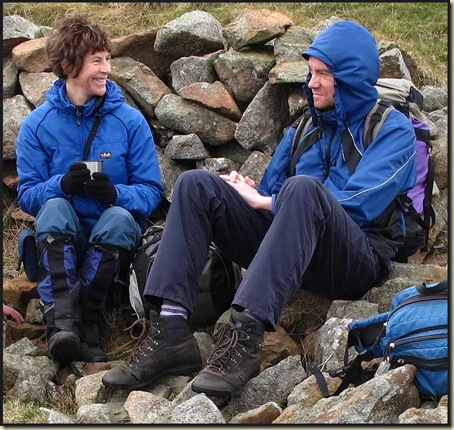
(95,127)
(438,288)
(375,120)
(301,142)
(372,125)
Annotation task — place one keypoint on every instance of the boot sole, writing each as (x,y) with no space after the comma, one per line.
(64,347)
(177,371)
(219,393)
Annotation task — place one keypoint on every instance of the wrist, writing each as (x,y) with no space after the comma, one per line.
(262,202)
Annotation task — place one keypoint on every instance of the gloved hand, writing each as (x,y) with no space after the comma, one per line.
(101,188)
(74,181)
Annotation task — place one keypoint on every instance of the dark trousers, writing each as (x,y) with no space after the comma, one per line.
(309,242)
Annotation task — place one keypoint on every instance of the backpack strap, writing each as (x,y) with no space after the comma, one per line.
(435,289)
(375,119)
(301,140)
(96,124)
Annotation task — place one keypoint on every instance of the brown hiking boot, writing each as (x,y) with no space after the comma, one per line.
(168,349)
(235,359)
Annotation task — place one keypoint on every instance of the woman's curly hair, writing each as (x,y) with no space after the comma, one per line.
(73,37)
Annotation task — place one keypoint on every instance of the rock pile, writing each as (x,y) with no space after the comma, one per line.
(218,98)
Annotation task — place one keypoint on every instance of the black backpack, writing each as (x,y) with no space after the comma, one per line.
(217,284)
(402,95)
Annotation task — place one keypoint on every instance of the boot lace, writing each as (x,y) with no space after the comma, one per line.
(146,341)
(229,348)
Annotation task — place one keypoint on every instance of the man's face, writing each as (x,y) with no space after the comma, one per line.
(321,84)
(91,80)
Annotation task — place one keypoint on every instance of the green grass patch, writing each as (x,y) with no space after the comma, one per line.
(419,28)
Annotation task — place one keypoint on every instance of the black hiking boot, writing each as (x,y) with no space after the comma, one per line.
(92,353)
(235,359)
(64,346)
(168,349)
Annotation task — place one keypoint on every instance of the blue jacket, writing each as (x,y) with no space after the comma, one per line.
(387,167)
(53,137)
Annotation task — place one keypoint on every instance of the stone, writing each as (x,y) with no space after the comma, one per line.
(145,88)
(277,346)
(94,414)
(187,147)
(244,73)
(392,65)
(213,96)
(140,47)
(289,46)
(322,25)
(23,346)
(289,73)
(10,78)
(189,70)
(16,30)
(193,33)
(197,410)
(255,165)
(264,414)
(262,123)
(254,27)
(35,85)
(189,117)
(15,109)
(33,314)
(31,56)
(147,408)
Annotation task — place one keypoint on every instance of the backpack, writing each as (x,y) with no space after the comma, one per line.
(418,213)
(414,331)
(217,284)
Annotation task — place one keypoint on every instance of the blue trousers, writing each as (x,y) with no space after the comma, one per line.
(116,226)
(309,242)
(78,267)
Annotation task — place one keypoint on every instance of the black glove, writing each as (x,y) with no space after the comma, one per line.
(101,188)
(74,181)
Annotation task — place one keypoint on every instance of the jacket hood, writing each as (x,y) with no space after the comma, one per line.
(350,52)
(57,97)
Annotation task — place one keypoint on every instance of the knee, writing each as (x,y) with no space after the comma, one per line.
(118,214)
(302,184)
(56,216)
(57,204)
(116,227)
(191,178)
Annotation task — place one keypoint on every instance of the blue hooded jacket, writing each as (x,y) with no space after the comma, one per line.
(386,168)
(53,137)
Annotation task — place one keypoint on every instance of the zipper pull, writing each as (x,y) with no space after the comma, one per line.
(79,114)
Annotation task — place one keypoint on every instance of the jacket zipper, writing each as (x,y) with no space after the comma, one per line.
(79,115)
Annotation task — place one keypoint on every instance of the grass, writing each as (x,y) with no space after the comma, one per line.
(18,412)
(419,28)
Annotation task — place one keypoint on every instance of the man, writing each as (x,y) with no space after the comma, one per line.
(323,228)
(83,222)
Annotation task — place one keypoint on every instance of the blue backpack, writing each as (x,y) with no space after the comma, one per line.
(414,331)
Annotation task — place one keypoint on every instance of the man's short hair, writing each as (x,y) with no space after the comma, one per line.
(73,37)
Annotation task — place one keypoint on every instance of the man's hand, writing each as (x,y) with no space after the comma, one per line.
(245,186)
(101,188)
(8,311)
(74,181)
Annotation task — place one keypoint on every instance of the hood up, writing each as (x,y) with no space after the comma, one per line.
(350,52)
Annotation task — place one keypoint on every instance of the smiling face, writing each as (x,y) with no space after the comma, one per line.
(321,84)
(91,79)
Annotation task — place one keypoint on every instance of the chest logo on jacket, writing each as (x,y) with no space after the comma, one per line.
(105,155)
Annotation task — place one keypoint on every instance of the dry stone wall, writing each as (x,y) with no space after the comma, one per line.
(229,91)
